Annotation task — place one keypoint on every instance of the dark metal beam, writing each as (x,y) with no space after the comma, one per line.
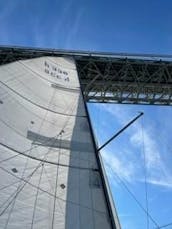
(112,77)
(120,131)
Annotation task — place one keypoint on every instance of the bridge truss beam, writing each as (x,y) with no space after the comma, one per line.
(112,78)
(126,81)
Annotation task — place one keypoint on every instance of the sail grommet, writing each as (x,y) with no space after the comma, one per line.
(62,186)
(14,170)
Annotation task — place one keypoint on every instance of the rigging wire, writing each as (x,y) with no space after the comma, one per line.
(38,188)
(16,100)
(38,105)
(49,181)
(15,197)
(33,147)
(57,173)
(20,189)
(9,185)
(51,187)
(49,193)
(36,95)
(45,161)
(165,225)
(14,200)
(145,173)
(24,137)
(15,193)
(37,192)
(54,139)
(42,160)
(24,151)
(24,107)
(21,179)
(36,198)
(130,192)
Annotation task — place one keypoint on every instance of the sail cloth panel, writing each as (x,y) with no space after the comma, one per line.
(47,160)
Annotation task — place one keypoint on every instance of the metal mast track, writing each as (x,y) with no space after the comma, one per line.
(112,77)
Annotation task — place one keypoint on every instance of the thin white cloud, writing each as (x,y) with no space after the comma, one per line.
(123,170)
(61,30)
(158,172)
(75,29)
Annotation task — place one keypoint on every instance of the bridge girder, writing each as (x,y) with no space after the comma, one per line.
(126,81)
(112,78)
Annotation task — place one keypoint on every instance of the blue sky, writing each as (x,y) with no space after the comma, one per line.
(150,135)
(117,26)
(112,26)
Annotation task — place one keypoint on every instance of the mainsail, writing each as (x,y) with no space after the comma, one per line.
(49,172)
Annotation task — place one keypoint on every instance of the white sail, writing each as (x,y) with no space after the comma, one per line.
(49,176)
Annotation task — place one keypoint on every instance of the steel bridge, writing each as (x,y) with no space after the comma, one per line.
(112,77)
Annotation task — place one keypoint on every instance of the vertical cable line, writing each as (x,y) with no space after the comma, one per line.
(54,207)
(14,200)
(24,106)
(35,103)
(9,185)
(51,187)
(130,192)
(13,204)
(37,192)
(20,187)
(33,147)
(52,195)
(165,225)
(145,174)
(17,192)
(36,146)
(104,187)
(26,182)
(49,181)
(49,150)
